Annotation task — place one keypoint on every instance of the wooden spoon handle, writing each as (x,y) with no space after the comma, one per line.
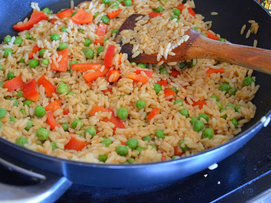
(250,57)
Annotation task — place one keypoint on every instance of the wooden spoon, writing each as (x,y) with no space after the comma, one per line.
(199,46)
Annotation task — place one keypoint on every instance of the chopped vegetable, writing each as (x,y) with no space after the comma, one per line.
(53,106)
(7,52)
(108,59)
(147,72)
(7,39)
(65,126)
(248,81)
(63,63)
(91,76)
(204,116)
(154,14)
(89,53)
(210,71)
(29,125)
(35,17)
(21,141)
(77,124)
(54,37)
(13,84)
(122,150)
(160,134)
(3,112)
(50,89)
(83,67)
(159,9)
(51,121)
(169,92)
(106,142)
(102,158)
(87,42)
(199,103)
(174,73)
(176,12)
(41,52)
(30,91)
(232,91)
(224,87)
(90,131)
(198,125)
(62,88)
(62,46)
(184,112)
(101,31)
(82,17)
(152,114)
(10,75)
(128,2)
(65,13)
(234,122)
(157,88)
(42,134)
(115,120)
(162,82)
(132,143)
(18,40)
(178,101)
(147,138)
(76,143)
(39,111)
(140,104)
(122,113)
(113,75)
(211,35)
(100,49)
(138,78)
(97,109)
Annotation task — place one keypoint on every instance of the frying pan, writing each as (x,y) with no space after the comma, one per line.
(55,175)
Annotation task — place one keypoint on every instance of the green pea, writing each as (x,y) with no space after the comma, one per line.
(140,104)
(128,2)
(96,14)
(87,42)
(102,158)
(131,160)
(184,112)
(81,30)
(7,52)
(159,9)
(175,17)
(204,34)
(21,60)
(73,62)
(54,37)
(178,101)
(65,126)
(175,90)
(132,143)
(78,123)
(10,75)
(42,134)
(222,40)
(220,105)
(154,146)
(29,125)
(7,39)
(106,142)
(47,11)
(114,31)
(23,111)
(100,49)
(62,88)
(193,120)
(204,116)
(142,65)
(114,5)
(139,149)
(21,141)
(1,84)
(63,29)
(70,93)
(106,1)
(39,111)
(183,146)
(163,70)
(105,19)
(182,65)
(12,119)
(224,87)
(122,150)
(20,94)
(234,122)
(232,91)
(62,46)
(42,52)
(160,134)
(122,113)
(27,102)
(248,81)
(175,157)
(147,138)
(53,145)
(18,40)
(208,133)
(176,12)
(27,35)
(33,63)
(237,108)
(3,112)
(45,62)
(89,53)
(90,131)
(157,88)
(215,97)
(198,125)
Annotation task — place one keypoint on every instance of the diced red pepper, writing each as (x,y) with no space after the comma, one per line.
(115,120)
(82,17)
(101,31)
(108,58)
(34,51)
(211,35)
(97,109)
(91,76)
(181,7)
(114,14)
(152,114)
(53,106)
(30,91)
(176,151)
(109,90)
(76,143)
(63,63)
(51,121)
(66,111)
(65,13)
(162,82)
(86,66)
(138,78)
(123,143)
(199,103)
(191,11)
(163,157)
(148,72)
(113,75)
(35,17)
(210,71)
(13,84)
(53,20)
(169,92)
(174,73)
(48,86)
(155,14)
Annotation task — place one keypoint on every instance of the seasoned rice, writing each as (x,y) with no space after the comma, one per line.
(193,85)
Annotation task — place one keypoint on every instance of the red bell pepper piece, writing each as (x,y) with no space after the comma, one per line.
(65,13)
(162,82)
(86,66)
(176,151)
(109,90)
(97,109)
(53,106)
(51,121)
(113,75)
(169,92)
(148,72)
(66,111)
(114,14)
(35,17)
(30,91)
(48,86)
(174,73)
(34,51)
(115,120)
(210,71)
(101,31)
(108,59)
(191,11)
(152,114)
(138,78)
(163,157)
(211,35)
(76,143)
(53,20)
(155,14)
(13,84)
(199,103)
(91,76)
(82,17)
(63,63)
